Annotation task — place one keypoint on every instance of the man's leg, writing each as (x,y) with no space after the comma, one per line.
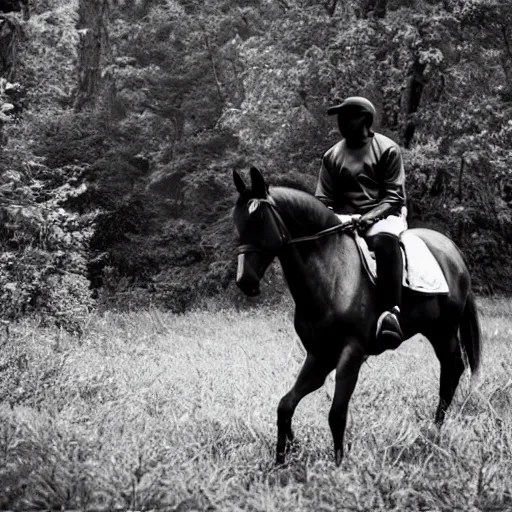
(389,262)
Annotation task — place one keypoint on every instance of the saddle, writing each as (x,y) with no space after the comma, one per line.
(422,273)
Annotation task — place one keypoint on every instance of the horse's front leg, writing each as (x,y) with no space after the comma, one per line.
(347,372)
(311,377)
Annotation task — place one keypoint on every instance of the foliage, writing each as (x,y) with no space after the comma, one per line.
(189,91)
(43,260)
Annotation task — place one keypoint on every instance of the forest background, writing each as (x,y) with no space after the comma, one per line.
(121,123)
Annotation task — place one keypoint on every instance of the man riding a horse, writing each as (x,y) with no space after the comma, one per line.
(336,304)
(363,176)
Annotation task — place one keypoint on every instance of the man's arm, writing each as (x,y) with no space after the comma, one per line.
(393,183)
(394,177)
(324,186)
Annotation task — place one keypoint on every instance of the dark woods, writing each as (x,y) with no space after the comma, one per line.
(116,173)
(16,6)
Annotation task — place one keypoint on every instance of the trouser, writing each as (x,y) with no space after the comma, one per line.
(388,258)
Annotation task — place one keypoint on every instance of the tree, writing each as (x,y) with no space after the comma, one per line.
(10,34)
(93,50)
(171,95)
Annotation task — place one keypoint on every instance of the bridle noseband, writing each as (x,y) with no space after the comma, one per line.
(284,234)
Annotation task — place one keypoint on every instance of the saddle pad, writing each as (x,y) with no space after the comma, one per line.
(422,272)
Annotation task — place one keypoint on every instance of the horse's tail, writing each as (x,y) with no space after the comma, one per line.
(470,334)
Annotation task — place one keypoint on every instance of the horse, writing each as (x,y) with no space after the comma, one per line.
(335,300)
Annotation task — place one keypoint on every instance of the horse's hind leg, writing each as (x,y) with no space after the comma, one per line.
(452,366)
(311,377)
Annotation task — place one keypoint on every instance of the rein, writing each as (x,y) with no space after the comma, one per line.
(325,232)
(286,238)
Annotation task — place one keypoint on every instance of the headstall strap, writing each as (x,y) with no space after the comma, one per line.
(245,248)
(283,230)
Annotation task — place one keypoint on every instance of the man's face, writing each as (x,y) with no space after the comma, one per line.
(353,124)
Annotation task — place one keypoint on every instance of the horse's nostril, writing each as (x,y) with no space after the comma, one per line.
(251,289)
(253,292)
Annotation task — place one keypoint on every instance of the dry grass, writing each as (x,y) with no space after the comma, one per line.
(178,412)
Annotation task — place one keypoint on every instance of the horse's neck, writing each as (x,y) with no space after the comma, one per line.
(311,268)
(302,214)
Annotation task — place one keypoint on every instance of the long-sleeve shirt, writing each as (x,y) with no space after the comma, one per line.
(358,180)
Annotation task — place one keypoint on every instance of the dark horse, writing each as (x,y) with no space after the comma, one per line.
(336,309)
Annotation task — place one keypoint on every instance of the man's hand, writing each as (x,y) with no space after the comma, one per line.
(366,221)
(370,218)
(346,218)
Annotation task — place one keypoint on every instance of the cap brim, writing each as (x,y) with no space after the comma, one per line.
(334,110)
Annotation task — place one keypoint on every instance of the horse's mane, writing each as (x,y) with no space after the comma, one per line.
(303,209)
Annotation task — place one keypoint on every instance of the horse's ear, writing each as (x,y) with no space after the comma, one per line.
(259,187)
(239,182)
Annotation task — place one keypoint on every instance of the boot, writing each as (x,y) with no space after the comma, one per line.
(388,256)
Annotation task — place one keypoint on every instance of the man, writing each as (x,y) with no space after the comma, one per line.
(363,176)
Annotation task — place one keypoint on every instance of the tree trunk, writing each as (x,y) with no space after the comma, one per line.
(413,93)
(507,55)
(93,29)
(9,35)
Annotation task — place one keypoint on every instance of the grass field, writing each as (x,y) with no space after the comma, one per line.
(178,413)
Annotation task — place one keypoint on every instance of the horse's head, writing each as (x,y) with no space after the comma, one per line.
(261,231)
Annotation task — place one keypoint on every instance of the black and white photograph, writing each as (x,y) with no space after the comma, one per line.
(256,255)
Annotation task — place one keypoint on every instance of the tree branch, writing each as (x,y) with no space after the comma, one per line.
(507,59)
(330,7)
(212,60)
(461,174)
(284,5)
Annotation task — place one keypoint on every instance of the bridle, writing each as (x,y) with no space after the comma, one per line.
(284,234)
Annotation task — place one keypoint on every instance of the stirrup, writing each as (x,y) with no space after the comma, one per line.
(388,326)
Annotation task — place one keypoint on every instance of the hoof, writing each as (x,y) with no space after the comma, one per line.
(279,459)
(338,457)
(292,446)
(432,432)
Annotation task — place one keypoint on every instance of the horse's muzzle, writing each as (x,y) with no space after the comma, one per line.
(246,279)
(251,289)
